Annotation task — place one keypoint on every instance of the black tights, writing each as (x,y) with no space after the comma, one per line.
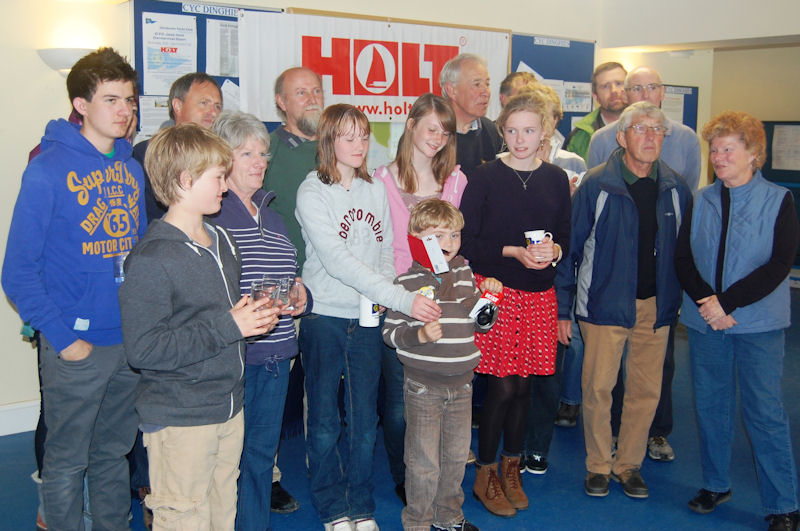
(504,412)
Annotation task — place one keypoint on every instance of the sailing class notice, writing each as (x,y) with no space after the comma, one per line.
(170,49)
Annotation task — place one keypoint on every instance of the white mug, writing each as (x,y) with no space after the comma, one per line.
(536,236)
(368,313)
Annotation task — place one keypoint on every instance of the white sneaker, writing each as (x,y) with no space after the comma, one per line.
(342,524)
(366,524)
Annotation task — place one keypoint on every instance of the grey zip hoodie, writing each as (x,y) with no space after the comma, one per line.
(178,329)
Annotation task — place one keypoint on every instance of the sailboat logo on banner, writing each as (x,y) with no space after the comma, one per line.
(376,68)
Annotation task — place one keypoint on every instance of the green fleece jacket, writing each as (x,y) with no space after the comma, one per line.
(578,139)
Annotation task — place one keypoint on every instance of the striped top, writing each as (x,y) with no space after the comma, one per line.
(266,250)
(450,360)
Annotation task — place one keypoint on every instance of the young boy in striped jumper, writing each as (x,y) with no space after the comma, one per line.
(438,359)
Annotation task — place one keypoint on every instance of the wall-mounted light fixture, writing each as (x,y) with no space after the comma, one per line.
(62,59)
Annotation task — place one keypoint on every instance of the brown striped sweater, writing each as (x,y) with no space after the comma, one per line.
(451,360)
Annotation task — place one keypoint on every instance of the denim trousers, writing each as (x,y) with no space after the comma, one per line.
(545,391)
(340,451)
(438,429)
(91,425)
(572,367)
(756,360)
(394,424)
(264,396)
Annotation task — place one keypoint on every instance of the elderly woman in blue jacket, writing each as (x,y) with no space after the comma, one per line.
(733,260)
(264,244)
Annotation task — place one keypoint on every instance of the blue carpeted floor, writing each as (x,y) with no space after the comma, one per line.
(557,498)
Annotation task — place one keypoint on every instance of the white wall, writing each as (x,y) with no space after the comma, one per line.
(34,94)
(693,21)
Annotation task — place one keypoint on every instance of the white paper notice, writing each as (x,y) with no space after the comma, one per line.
(170,49)
(577,97)
(153,112)
(673,106)
(222,48)
(557,85)
(786,147)
(230,95)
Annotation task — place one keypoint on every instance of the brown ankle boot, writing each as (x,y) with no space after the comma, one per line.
(488,491)
(511,482)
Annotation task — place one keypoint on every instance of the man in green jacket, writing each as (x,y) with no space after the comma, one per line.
(293,145)
(608,91)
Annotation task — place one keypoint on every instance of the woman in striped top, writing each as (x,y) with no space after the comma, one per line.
(266,250)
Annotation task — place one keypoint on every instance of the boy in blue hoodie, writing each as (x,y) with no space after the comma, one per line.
(78,213)
(183,323)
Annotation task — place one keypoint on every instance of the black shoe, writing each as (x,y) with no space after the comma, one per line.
(596,484)
(281,501)
(462,526)
(567,416)
(536,464)
(783,522)
(632,483)
(706,501)
(400,490)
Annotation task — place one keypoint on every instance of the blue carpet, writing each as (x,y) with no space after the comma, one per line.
(557,498)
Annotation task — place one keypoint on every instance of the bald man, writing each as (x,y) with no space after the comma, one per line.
(681,148)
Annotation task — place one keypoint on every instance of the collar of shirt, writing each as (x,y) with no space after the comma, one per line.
(631,178)
(290,139)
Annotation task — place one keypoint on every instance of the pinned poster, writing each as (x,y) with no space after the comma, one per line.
(170,49)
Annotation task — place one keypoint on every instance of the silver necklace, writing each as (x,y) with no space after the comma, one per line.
(525,182)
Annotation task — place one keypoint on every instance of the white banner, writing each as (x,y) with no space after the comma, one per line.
(381,67)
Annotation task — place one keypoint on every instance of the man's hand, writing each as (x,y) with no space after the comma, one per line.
(564,331)
(77,351)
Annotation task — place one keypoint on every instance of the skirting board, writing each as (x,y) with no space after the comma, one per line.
(19,417)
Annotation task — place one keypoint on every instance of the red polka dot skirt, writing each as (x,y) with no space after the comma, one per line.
(523,340)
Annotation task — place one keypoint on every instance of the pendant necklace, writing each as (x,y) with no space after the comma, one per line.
(524,182)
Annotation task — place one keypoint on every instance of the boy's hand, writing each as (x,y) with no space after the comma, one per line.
(425,310)
(431,332)
(491,284)
(77,350)
(254,318)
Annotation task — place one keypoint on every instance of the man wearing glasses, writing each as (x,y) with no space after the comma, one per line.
(608,91)
(625,220)
(681,152)
(681,149)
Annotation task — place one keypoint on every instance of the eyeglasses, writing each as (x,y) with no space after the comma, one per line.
(638,89)
(640,129)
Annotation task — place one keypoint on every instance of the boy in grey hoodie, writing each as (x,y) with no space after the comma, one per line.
(182,327)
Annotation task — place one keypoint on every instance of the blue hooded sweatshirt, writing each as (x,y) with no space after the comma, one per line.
(77,211)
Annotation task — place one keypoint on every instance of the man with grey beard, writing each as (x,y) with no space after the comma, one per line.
(293,145)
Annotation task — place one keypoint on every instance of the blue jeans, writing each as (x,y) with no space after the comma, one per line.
(264,396)
(394,424)
(718,359)
(336,351)
(437,446)
(572,367)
